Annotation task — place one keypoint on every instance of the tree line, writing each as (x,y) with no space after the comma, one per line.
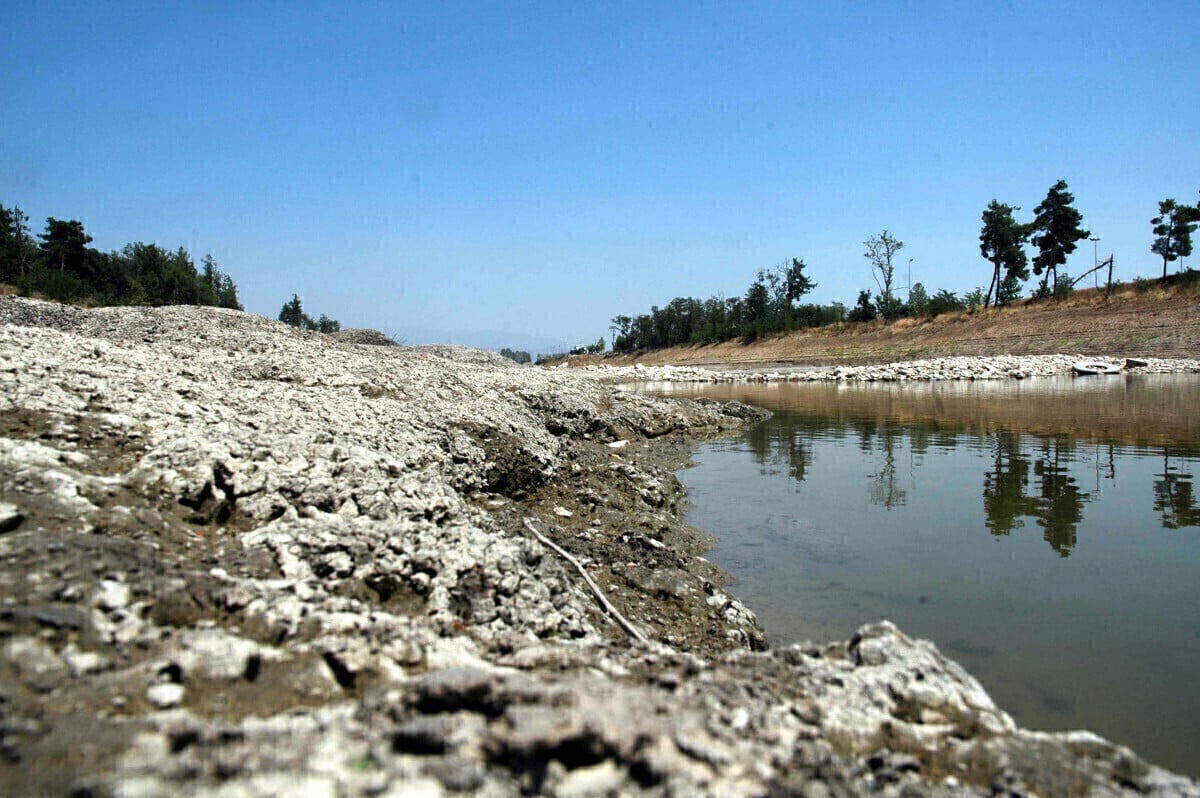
(59,264)
(772,304)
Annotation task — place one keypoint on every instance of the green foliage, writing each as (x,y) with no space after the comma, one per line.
(64,247)
(1185,277)
(1009,290)
(1001,242)
(864,308)
(974,299)
(768,306)
(516,355)
(1173,228)
(796,283)
(890,307)
(292,313)
(945,302)
(1063,286)
(918,301)
(63,267)
(17,249)
(1056,231)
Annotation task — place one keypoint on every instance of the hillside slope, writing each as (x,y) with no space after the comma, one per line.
(1155,323)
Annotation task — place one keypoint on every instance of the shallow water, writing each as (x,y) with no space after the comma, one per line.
(1044,533)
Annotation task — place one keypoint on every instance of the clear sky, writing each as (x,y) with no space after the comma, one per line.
(443,169)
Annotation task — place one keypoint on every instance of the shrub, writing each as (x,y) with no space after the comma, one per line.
(1062,286)
(974,299)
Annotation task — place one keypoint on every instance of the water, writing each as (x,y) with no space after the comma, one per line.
(1045,533)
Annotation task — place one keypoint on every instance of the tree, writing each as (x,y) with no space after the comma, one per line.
(64,245)
(1056,230)
(757,301)
(328,325)
(1001,241)
(208,283)
(15,243)
(292,312)
(796,282)
(864,309)
(1173,229)
(944,301)
(880,251)
(227,296)
(918,301)
(516,355)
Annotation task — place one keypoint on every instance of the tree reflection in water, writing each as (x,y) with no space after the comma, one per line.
(1173,496)
(1004,499)
(1060,502)
(1029,476)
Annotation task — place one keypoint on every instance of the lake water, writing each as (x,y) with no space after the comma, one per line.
(1045,533)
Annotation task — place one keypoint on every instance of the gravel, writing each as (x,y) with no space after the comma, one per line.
(240,558)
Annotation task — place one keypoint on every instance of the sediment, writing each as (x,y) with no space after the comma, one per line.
(243,559)
(998,367)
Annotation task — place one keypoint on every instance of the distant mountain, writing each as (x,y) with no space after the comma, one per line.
(494,340)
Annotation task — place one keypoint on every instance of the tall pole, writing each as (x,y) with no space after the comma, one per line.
(1095,260)
(910,279)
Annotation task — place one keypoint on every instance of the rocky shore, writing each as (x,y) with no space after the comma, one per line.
(932,370)
(241,559)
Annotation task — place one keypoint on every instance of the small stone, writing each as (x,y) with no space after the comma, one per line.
(603,779)
(165,695)
(10,517)
(36,663)
(562,512)
(111,595)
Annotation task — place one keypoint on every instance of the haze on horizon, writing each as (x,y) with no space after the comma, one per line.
(453,168)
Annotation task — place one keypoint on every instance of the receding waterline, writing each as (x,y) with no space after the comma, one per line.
(1044,533)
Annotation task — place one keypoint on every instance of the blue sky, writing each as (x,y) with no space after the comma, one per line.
(440,170)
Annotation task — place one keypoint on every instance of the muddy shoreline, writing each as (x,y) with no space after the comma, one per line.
(242,559)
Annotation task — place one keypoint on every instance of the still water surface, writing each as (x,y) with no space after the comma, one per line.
(1044,533)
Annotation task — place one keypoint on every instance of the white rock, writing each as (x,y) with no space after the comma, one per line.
(165,695)
(111,595)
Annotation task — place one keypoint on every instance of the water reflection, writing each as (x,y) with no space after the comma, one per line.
(1029,477)
(1173,496)
(1039,441)
(1043,533)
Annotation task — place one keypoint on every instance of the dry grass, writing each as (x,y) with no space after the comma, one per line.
(1161,321)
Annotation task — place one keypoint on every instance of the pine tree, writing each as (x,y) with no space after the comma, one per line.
(1056,233)
(1001,242)
(1173,229)
(292,313)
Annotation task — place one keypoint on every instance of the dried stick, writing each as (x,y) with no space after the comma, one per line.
(605,604)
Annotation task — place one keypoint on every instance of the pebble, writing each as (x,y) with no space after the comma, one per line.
(935,369)
(10,517)
(165,694)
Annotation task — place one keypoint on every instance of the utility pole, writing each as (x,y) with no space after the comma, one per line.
(1095,260)
(910,260)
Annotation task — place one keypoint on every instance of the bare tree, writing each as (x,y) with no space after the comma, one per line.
(880,251)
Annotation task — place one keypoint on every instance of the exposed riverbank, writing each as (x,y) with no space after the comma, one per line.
(243,558)
(1160,321)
